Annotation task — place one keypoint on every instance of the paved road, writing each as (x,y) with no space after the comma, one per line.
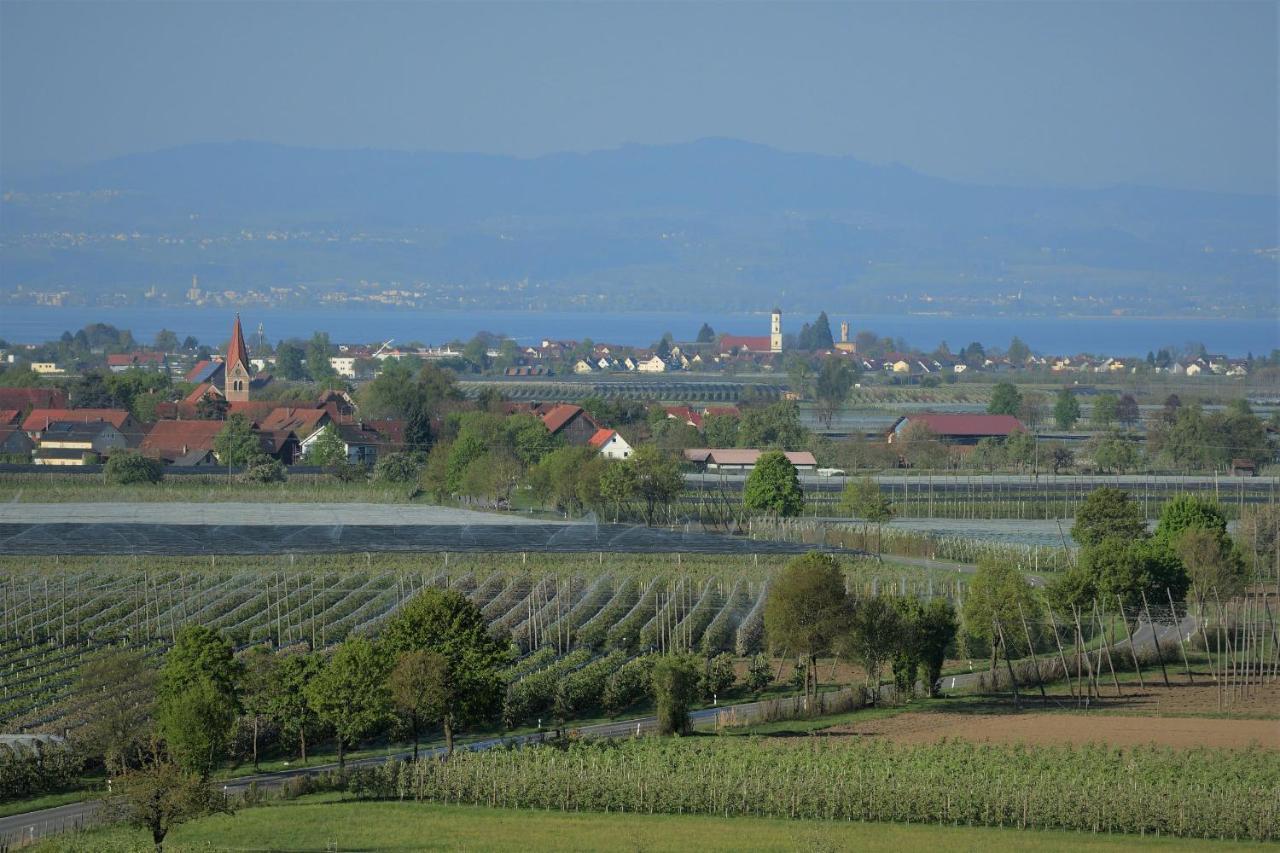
(38,824)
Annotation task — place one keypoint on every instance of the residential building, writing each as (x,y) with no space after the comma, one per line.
(610,444)
(172,441)
(654,364)
(78,443)
(38,420)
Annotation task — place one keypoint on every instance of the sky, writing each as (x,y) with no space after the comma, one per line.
(1176,94)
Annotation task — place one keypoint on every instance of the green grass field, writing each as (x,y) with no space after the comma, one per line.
(325,823)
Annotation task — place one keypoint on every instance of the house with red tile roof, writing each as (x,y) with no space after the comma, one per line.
(10,417)
(39,419)
(26,399)
(958,428)
(610,444)
(171,441)
(733,344)
(685,414)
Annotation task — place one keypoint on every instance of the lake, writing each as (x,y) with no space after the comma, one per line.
(1057,335)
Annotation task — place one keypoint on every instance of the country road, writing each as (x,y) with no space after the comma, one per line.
(33,825)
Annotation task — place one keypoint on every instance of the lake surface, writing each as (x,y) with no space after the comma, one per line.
(1058,335)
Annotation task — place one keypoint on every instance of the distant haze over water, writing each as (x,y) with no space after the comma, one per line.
(1123,336)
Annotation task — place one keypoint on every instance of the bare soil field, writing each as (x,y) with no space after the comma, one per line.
(1075,728)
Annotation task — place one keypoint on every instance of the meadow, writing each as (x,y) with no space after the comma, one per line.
(329,822)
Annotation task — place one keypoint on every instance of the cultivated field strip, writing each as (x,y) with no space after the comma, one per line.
(193,539)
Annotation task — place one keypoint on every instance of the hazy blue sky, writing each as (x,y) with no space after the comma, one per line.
(1082,94)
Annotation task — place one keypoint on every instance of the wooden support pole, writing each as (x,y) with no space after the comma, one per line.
(1155,638)
(1031,647)
(1062,655)
(1105,646)
(1182,640)
(1133,648)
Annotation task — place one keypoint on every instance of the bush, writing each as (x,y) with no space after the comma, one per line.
(675,687)
(264,470)
(399,467)
(38,769)
(629,685)
(128,467)
(347,472)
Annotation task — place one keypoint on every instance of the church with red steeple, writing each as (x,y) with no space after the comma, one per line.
(236,375)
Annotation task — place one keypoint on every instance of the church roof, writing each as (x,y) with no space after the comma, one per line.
(236,350)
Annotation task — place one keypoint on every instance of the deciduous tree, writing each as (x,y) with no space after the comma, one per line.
(773,486)
(807,609)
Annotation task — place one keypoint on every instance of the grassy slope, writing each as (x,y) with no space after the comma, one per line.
(316,823)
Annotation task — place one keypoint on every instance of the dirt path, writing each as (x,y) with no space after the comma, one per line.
(1068,728)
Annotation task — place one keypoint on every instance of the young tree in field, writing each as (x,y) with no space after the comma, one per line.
(718,676)
(328,449)
(1108,512)
(906,657)
(618,484)
(118,692)
(1066,409)
(1105,409)
(419,685)
(159,797)
(258,690)
(448,624)
(831,389)
(658,480)
(1259,536)
(289,707)
(806,610)
(872,634)
(196,726)
(1119,568)
(350,694)
(864,499)
(1213,570)
(935,633)
(1127,412)
(1032,410)
(675,687)
(1005,399)
(773,486)
(1063,458)
(999,596)
(759,675)
(1115,453)
(237,443)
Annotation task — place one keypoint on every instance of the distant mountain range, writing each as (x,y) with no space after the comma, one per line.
(714,223)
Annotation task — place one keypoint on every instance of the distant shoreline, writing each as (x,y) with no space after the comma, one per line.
(1060,335)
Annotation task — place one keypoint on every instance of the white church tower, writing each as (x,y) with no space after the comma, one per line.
(775,331)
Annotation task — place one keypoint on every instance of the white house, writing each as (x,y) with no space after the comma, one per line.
(610,444)
(582,366)
(343,365)
(652,365)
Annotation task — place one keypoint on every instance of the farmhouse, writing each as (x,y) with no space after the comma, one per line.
(958,428)
(737,460)
(571,422)
(610,444)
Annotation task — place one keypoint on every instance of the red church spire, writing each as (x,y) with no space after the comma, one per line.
(237,352)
